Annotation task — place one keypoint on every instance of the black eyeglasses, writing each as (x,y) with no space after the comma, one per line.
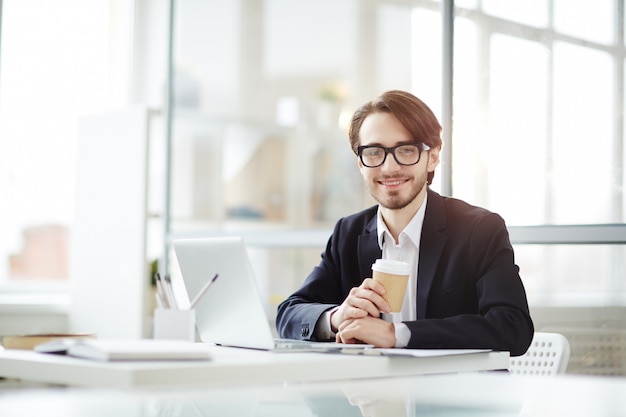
(373,156)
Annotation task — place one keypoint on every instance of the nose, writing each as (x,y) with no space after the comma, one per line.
(390,164)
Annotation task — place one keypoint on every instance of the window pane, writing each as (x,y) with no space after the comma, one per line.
(426,58)
(467,101)
(49,76)
(582,136)
(499,136)
(426,63)
(534,13)
(516,132)
(466,4)
(590,20)
(573,274)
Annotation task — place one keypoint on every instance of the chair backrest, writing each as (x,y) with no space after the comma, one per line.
(548,354)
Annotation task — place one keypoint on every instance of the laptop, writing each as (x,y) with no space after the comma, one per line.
(231,312)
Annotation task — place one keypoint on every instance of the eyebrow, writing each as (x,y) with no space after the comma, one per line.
(397,144)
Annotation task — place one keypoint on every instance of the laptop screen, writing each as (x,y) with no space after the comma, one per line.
(231,312)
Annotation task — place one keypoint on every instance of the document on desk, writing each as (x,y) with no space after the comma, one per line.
(417,353)
(137,350)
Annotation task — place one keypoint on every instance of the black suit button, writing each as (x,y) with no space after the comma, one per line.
(305,330)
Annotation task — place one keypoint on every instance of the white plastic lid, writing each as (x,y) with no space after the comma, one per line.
(390,266)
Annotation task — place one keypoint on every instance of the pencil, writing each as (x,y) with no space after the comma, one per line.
(161,296)
(202,291)
(169,292)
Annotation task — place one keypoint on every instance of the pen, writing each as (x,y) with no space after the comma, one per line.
(161,296)
(169,292)
(202,291)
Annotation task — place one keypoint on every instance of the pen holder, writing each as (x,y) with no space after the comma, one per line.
(175,324)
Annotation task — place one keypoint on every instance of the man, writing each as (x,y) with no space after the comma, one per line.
(464,290)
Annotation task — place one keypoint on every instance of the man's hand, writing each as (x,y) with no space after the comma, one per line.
(369,330)
(363,301)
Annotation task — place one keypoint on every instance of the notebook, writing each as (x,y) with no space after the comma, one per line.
(231,312)
(126,350)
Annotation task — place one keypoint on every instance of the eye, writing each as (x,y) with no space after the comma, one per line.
(372,152)
(407,150)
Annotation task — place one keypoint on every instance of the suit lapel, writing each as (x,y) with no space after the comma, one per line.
(432,242)
(368,249)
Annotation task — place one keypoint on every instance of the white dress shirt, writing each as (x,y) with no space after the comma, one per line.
(406,250)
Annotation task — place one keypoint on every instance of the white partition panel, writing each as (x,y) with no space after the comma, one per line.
(109,272)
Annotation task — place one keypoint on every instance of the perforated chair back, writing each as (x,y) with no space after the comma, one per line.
(548,354)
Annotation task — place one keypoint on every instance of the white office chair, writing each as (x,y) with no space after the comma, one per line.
(548,354)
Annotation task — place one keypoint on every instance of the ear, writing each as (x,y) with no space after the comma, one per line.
(433,158)
(360,164)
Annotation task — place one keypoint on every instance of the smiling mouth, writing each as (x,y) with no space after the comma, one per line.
(392,183)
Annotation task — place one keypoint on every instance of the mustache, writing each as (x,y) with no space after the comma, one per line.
(392,177)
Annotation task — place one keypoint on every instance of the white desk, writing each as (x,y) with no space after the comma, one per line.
(231,366)
(491,394)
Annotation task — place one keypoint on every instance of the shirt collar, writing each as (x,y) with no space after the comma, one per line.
(412,231)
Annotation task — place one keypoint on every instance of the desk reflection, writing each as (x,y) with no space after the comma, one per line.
(450,395)
(378,398)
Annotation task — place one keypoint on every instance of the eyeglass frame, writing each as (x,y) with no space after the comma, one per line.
(421,147)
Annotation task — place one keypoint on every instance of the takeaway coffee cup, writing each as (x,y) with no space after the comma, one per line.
(393,275)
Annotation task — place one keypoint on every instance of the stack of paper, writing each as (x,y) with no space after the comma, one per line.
(132,350)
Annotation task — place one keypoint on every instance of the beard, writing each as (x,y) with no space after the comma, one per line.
(397,199)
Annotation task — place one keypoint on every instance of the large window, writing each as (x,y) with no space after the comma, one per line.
(54,61)
(540,140)
(260,88)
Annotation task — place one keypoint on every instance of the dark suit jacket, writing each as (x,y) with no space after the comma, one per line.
(469,292)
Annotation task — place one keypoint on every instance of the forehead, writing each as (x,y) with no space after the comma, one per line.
(384,129)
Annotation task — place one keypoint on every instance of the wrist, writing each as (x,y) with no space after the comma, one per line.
(333,326)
